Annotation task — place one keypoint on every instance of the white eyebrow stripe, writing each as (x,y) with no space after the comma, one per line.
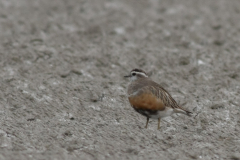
(141,73)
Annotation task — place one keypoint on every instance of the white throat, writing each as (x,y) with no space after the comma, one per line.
(133,78)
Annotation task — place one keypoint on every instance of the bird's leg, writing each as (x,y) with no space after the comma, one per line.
(159,119)
(147,122)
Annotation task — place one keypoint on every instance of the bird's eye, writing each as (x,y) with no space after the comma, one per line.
(133,74)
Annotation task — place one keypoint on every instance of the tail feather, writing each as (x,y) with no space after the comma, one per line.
(183,111)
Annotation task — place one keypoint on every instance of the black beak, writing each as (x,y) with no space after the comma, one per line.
(127,76)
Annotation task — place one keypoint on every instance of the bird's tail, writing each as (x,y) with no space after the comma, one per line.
(183,111)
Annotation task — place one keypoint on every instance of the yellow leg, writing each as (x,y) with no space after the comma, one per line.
(159,123)
(147,122)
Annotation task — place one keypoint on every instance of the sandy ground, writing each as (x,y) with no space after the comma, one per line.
(63,95)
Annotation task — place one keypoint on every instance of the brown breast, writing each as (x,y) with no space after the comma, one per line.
(146,101)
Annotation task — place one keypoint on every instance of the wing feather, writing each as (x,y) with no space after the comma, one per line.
(161,94)
(166,98)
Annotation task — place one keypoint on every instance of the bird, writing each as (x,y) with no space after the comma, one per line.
(150,99)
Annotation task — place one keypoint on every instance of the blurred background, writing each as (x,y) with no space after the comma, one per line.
(63,95)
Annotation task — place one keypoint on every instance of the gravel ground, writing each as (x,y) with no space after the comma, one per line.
(63,95)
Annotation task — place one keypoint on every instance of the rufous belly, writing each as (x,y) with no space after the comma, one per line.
(146,101)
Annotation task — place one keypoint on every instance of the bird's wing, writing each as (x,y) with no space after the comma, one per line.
(164,96)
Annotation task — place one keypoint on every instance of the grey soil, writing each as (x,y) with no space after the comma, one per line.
(62,91)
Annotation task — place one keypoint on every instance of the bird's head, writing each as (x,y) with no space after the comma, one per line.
(136,74)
